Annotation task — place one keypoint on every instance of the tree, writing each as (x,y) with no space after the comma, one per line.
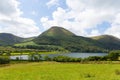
(114,55)
(35,57)
(4,60)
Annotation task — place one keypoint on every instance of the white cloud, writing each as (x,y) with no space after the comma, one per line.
(52,3)
(84,14)
(94,4)
(10,8)
(115,27)
(12,22)
(114,30)
(94,32)
(20,26)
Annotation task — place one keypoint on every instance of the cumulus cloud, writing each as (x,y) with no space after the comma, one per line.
(115,27)
(94,32)
(12,22)
(52,3)
(9,8)
(82,15)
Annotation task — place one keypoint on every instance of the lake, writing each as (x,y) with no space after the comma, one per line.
(74,55)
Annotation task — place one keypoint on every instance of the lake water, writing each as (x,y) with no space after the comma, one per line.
(74,55)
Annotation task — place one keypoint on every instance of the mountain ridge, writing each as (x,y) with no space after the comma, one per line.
(108,41)
(9,39)
(78,43)
(62,37)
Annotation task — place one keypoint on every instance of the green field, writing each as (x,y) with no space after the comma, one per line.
(25,43)
(60,71)
(27,53)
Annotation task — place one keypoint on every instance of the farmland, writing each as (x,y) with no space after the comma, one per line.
(60,71)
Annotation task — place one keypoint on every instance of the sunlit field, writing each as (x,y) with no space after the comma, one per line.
(60,71)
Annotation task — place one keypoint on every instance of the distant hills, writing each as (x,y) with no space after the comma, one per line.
(108,41)
(9,39)
(63,39)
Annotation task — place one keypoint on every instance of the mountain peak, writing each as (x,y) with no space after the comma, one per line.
(56,31)
(56,27)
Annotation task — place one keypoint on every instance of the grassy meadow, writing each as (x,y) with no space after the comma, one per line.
(27,53)
(60,71)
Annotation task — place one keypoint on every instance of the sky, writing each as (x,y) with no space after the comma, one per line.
(28,18)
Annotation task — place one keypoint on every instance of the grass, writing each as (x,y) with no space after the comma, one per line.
(25,43)
(27,53)
(59,71)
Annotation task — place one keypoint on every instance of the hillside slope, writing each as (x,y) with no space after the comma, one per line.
(108,41)
(62,37)
(9,39)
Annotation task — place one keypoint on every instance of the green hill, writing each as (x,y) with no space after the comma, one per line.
(66,39)
(58,38)
(9,39)
(57,32)
(108,41)
(25,43)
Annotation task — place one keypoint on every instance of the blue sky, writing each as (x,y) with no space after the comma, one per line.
(27,18)
(36,9)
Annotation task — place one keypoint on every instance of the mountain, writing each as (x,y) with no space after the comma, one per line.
(66,39)
(58,38)
(57,32)
(109,41)
(53,36)
(9,39)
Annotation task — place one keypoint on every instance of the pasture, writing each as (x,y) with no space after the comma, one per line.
(60,71)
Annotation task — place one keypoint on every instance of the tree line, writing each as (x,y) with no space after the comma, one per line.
(35,57)
(112,56)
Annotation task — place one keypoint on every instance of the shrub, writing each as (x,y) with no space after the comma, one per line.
(4,60)
(17,58)
(114,55)
(35,57)
(47,58)
(66,59)
(88,75)
(117,72)
(93,58)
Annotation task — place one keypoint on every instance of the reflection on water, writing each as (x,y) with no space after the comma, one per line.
(20,57)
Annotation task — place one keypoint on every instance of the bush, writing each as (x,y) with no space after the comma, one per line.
(88,75)
(66,59)
(114,55)
(104,58)
(35,57)
(4,60)
(117,72)
(17,58)
(93,58)
(47,58)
